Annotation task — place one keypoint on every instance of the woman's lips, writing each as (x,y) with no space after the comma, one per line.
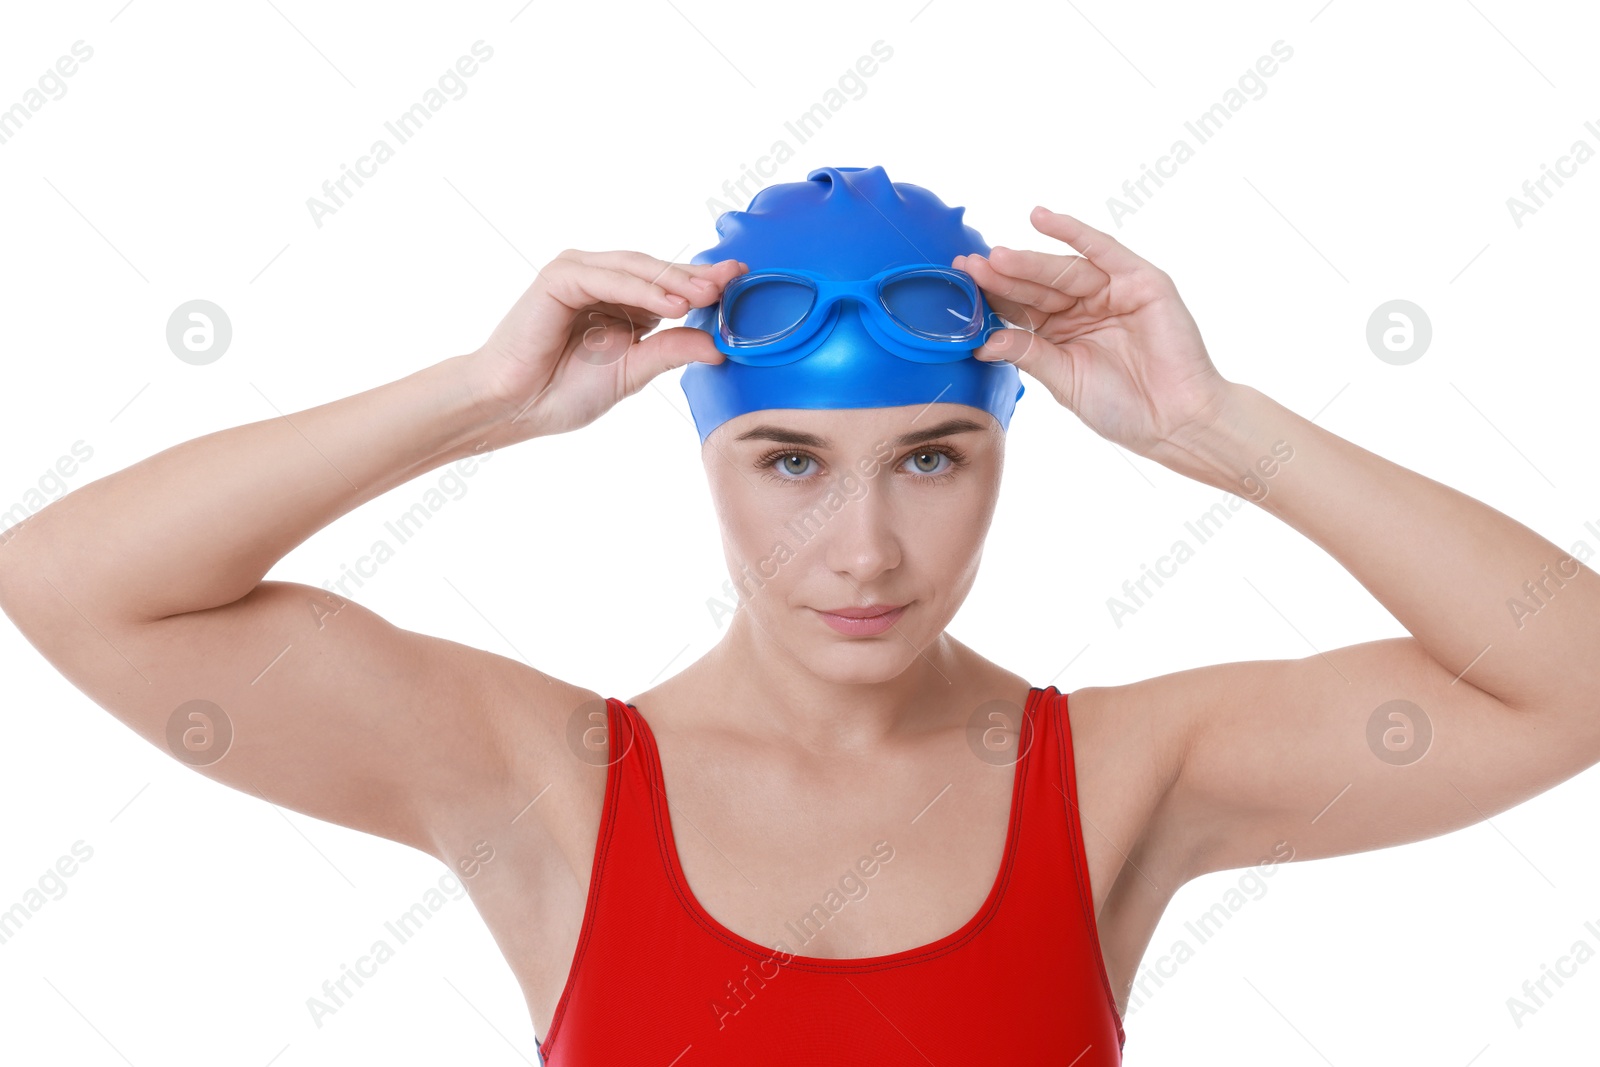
(862,622)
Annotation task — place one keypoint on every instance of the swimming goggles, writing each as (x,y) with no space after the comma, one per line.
(924,312)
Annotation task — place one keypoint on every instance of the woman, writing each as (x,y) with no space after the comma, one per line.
(841,835)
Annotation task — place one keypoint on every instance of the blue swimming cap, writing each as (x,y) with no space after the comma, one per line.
(847,224)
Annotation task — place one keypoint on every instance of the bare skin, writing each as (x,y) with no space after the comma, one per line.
(789,748)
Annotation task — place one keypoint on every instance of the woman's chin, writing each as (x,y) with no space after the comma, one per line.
(854,662)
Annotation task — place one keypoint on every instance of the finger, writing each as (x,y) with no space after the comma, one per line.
(1028,352)
(1073,275)
(716,275)
(637,318)
(1105,251)
(667,350)
(577,285)
(722,271)
(699,283)
(1014,298)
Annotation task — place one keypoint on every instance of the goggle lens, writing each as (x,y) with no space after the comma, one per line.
(932,304)
(766,310)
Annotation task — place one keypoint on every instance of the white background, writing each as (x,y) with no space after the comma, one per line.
(1376,166)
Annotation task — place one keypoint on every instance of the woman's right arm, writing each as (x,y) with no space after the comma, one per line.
(145,588)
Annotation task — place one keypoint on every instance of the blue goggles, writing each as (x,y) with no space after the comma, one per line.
(926,313)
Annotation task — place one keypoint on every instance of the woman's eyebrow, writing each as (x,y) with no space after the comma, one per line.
(811,440)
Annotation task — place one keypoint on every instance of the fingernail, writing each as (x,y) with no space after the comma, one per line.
(700,284)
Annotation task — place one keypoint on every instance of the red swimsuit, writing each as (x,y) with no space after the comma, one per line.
(656,980)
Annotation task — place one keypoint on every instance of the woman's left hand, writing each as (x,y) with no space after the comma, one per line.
(1106,333)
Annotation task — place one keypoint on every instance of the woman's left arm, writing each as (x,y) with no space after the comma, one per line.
(1494,698)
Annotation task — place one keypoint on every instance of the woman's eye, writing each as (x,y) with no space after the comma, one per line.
(794,464)
(927,462)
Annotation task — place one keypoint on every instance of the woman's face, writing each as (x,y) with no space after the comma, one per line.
(850,508)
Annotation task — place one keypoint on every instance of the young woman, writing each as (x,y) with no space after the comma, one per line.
(841,835)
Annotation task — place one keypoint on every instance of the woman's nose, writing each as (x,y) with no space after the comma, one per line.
(863,537)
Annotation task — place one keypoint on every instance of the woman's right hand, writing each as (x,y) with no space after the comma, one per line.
(573,345)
